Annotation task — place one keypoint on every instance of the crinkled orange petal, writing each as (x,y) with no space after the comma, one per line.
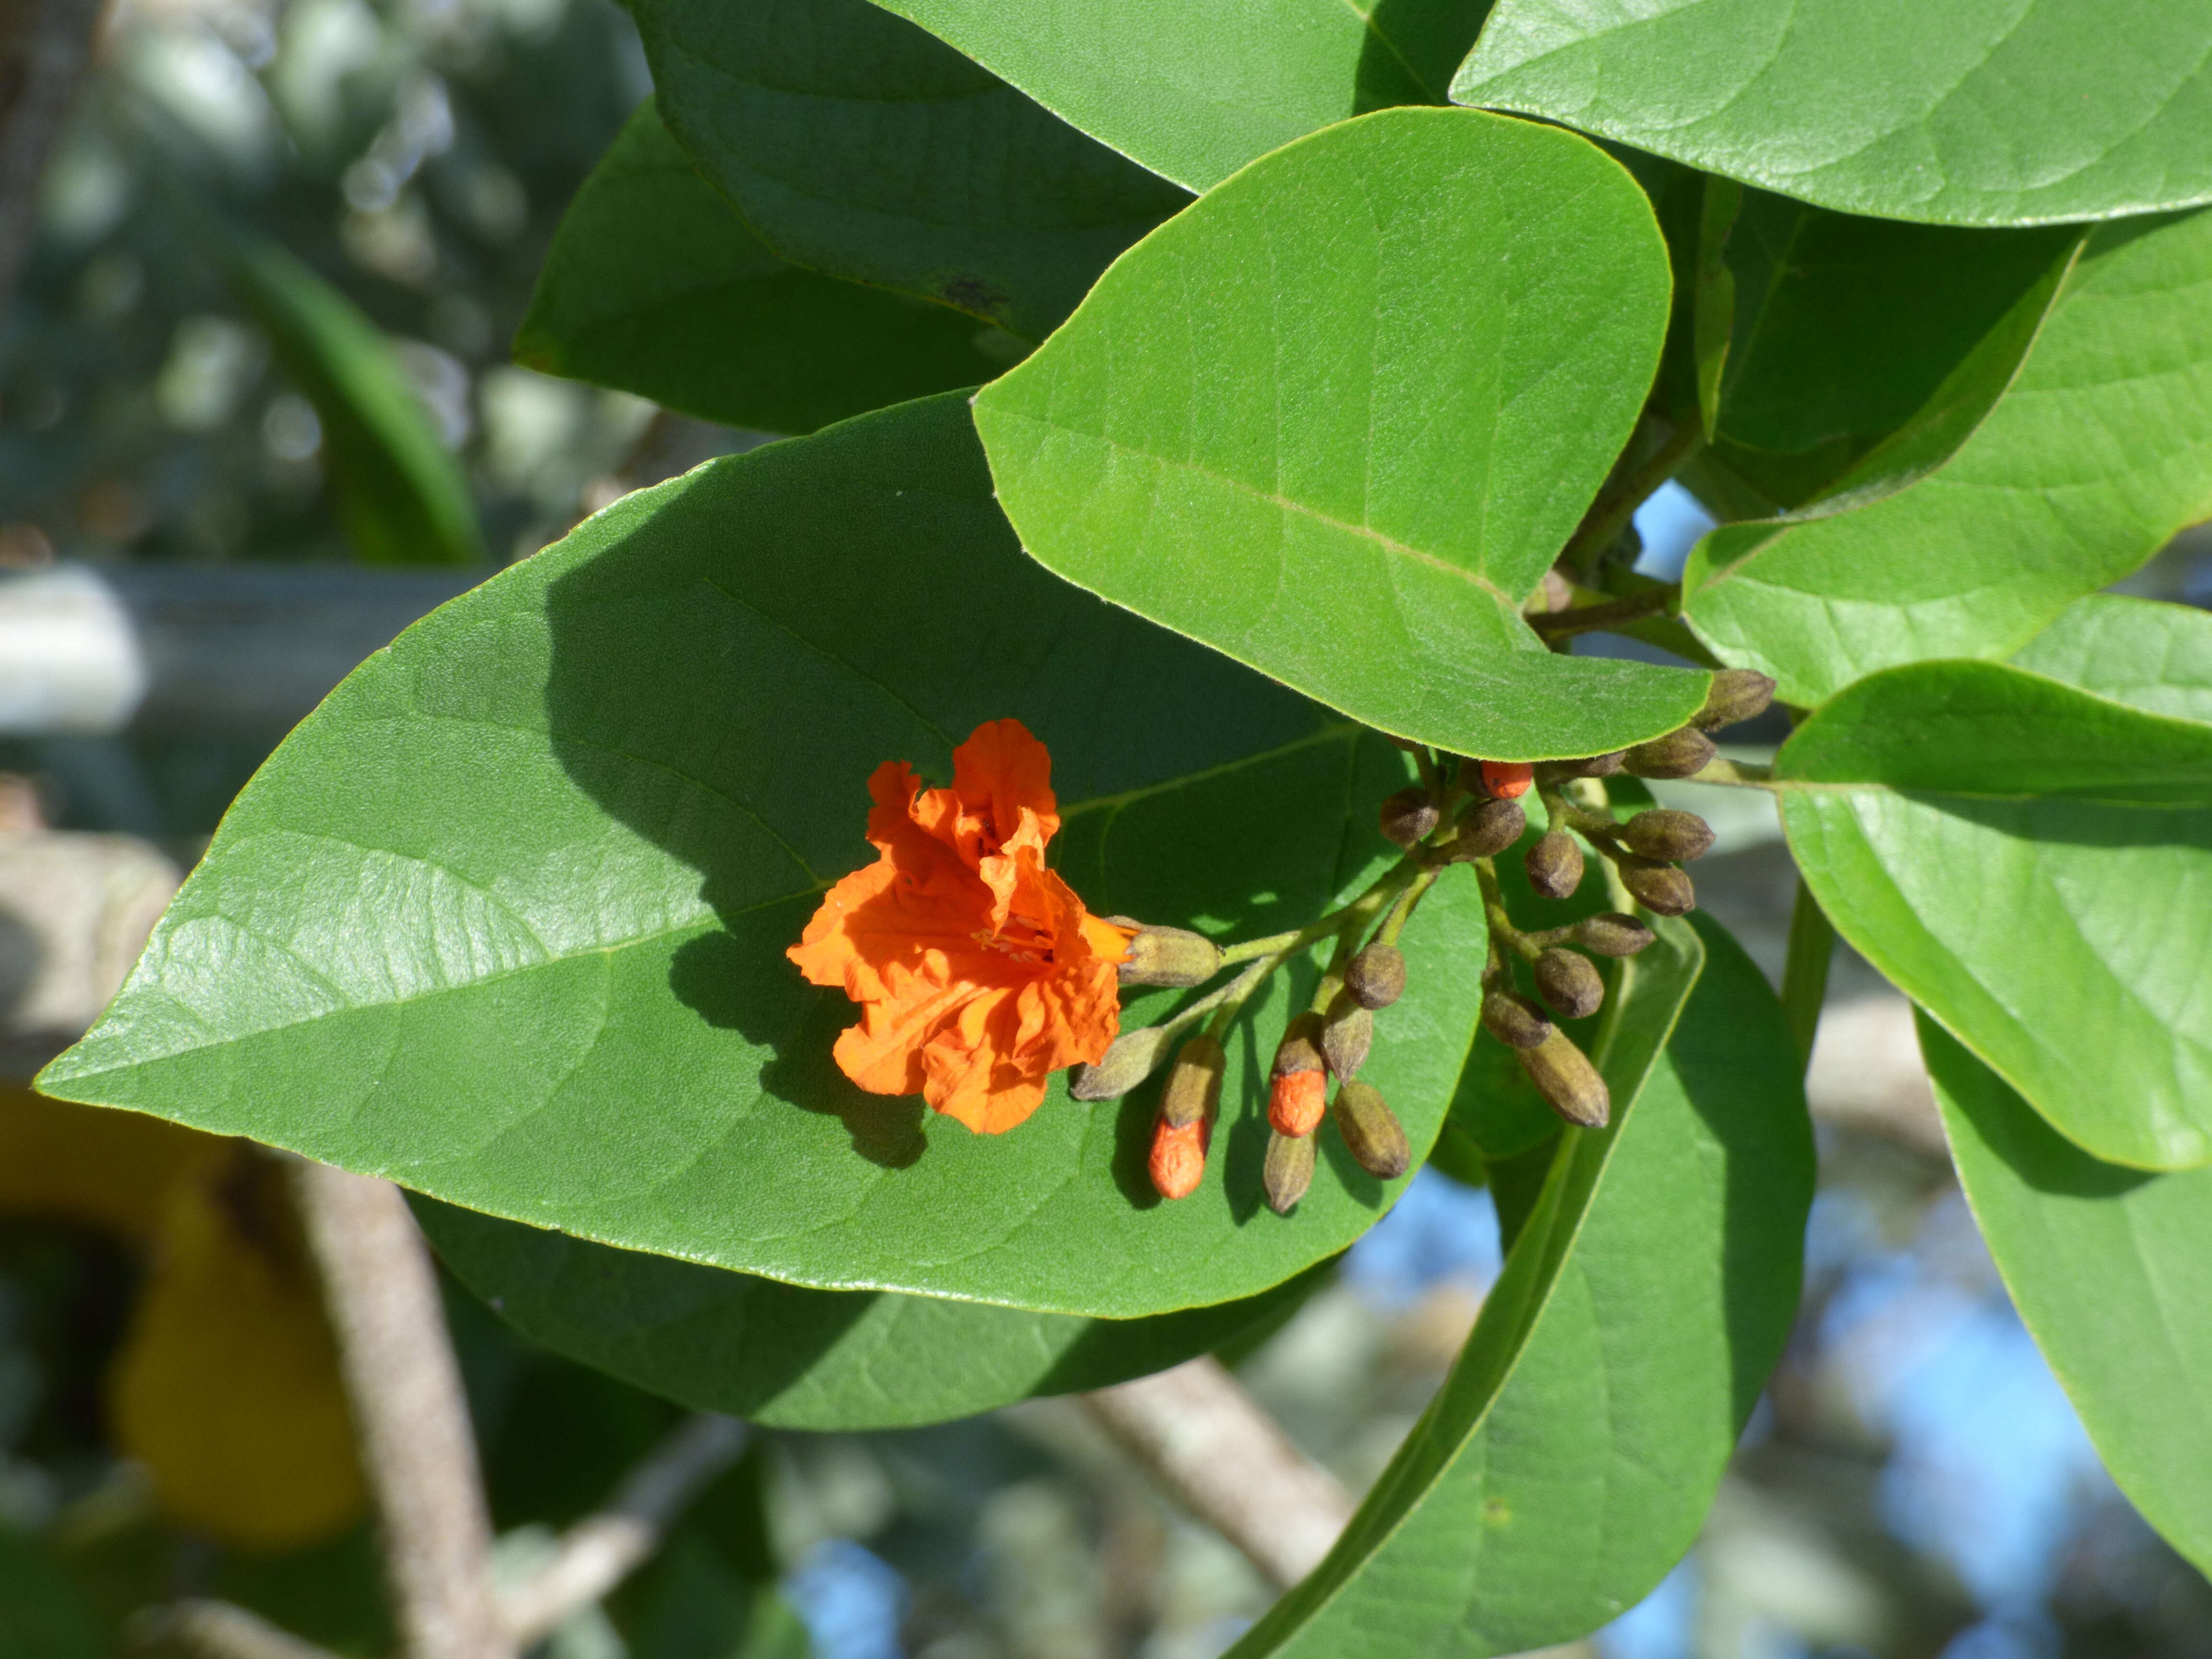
(1000,774)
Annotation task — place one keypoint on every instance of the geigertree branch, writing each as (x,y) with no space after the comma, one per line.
(1197,1432)
(411,1417)
(213,1630)
(45,47)
(601,1550)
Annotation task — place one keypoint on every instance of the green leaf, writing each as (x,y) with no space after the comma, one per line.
(505,919)
(1568,1459)
(2142,653)
(1828,332)
(2021,113)
(1195,91)
(47,1616)
(1337,418)
(856,144)
(2098,452)
(653,285)
(2032,865)
(398,491)
(793,1358)
(2112,1270)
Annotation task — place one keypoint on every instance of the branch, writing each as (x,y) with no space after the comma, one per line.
(45,47)
(601,1550)
(1214,1447)
(213,1630)
(417,1450)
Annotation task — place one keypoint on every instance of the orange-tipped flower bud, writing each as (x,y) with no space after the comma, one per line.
(1178,1159)
(1296,1101)
(1507,780)
(1193,1091)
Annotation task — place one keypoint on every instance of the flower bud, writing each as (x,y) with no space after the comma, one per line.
(1194,1087)
(1296,1101)
(1515,1020)
(1488,828)
(1178,1159)
(1738,694)
(1288,1171)
(1407,817)
(1659,887)
(1590,766)
(1569,1082)
(1679,753)
(1507,780)
(1555,865)
(1346,1037)
(1666,832)
(1168,956)
(1611,934)
(1128,1060)
(1376,977)
(1372,1130)
(1569,983)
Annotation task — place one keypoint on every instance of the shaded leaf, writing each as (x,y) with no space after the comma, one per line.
(2017,114)
(2100,450)
(1850,354)
(2112,1269)
(653,285)
(856,144)
(1568,1460)
(789,1357)
(398,491)
(1337,418)
(1194,93)
(505,918)
(2032,865)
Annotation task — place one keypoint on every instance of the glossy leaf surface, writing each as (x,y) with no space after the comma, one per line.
(2112,1269)
(1195,91)
(398,491)
(789,1357)
(1337,418)
(2149,655)
(1568,1460)
(505,919)
(856,145)
(2100,449)
(2032,865)
(655,285)
(2013,114)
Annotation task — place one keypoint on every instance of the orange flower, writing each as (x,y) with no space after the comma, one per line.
(978,972)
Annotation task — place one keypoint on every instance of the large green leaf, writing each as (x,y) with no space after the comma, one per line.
(857,145)
(2031,863)
(1195,91)
(505,919)
(1568,1460)
(2098,451)
(1833,344)
(1337,418)
(2112,1270)
(653,285)
(2142,653)
(2013,113)
(794,1358)
(399,492)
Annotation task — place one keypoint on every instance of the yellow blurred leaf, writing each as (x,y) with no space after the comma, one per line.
(89,1164)
(228,1386)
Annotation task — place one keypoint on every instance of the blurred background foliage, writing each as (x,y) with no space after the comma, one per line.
(285,250)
